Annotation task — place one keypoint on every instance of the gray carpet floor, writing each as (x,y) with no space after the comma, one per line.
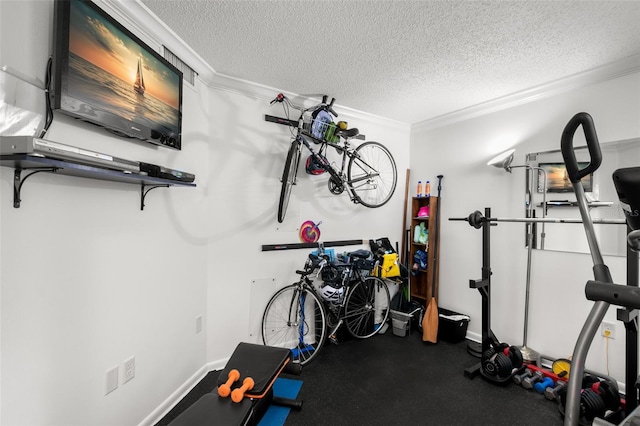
(391,380)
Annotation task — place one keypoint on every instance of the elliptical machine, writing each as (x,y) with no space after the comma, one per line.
(602,290)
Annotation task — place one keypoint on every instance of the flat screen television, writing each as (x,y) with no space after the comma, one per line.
(558,179)
(105,75)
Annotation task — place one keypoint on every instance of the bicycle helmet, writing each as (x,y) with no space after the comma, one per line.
(312,167)
(332,294)
(331,274)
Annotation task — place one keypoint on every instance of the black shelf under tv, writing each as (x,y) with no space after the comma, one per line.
(36,164)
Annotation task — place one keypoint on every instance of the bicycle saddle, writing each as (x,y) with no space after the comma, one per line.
(348,133)
(361,254)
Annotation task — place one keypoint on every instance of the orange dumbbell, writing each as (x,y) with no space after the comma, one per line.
(224,390)
(238,393)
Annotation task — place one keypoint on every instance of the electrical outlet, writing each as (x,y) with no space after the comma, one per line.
(111,380)
(608,329)
(129,370)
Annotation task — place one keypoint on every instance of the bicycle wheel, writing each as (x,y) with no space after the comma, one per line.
(295,319)
(372,174)
(367,307)
(288,178)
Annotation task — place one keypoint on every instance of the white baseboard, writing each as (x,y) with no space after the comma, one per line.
(474,337)
(167,405)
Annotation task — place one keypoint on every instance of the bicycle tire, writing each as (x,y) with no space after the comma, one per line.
(367,307)
(372,174)
(289,174)
(285,325)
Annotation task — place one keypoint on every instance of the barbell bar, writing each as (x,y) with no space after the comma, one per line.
(476,219)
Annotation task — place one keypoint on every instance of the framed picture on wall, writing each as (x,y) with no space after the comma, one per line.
(558,178)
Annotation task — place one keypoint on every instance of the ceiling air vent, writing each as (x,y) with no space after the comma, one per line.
(189,74)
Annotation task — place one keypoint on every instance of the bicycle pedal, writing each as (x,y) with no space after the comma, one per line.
(334,339)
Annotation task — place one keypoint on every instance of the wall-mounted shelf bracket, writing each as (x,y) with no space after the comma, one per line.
(36,164)
(18,181)
(144,190)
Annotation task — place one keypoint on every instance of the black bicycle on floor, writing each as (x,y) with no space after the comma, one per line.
(301,317)
(369,177)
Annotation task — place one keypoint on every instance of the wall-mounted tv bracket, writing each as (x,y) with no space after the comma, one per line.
(18,180)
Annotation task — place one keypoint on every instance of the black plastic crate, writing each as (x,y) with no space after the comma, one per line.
(452,326)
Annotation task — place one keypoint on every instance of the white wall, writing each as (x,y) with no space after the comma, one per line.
(247,156)
(88,280)
(460,151)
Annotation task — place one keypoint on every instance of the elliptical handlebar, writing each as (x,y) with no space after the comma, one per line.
(568,152)
(572,415)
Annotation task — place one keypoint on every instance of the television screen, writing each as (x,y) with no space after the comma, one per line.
(105,75)
(558,179)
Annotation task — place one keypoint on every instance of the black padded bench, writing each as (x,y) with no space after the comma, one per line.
(261,363)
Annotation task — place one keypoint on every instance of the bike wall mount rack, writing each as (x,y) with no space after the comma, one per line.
(280,120)
(339,243)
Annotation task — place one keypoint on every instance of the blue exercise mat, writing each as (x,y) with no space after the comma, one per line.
(276,414)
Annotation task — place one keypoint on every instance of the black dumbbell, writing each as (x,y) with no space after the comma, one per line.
(552,394)
(496,363)
(528,382)
(518,378)
(608,391)
(515,355)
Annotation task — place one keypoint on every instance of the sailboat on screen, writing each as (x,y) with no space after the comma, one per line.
(138,84)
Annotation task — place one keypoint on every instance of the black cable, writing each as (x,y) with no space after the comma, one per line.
(49,110)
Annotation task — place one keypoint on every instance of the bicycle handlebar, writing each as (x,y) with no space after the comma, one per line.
(568,152)
(317,262)
(279,98)
(329,107)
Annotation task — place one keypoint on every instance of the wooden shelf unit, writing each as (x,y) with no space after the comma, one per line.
(421,282)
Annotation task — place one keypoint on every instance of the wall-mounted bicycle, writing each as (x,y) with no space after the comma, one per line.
(370,175)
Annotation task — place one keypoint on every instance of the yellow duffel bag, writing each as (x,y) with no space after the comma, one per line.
(390,266)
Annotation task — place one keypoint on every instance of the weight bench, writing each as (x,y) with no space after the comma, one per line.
(245,388)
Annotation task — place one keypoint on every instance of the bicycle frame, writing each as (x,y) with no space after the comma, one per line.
(306,285)
(296,310)
(338,176)
(355,276)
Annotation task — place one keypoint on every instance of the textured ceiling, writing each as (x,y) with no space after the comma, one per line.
(405,60)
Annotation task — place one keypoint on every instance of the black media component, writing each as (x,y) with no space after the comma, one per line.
(105,75)
(154,170)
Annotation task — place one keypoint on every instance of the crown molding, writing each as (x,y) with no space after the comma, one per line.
(145,24)
(610,71)
(142,21)
(258,91)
